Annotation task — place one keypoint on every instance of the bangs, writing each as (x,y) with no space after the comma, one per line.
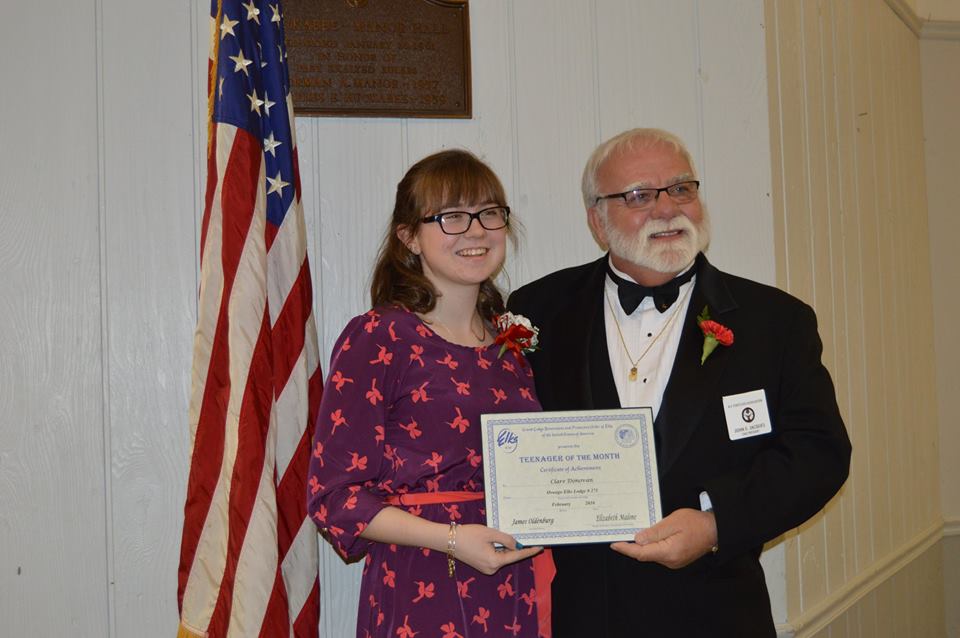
(462,180)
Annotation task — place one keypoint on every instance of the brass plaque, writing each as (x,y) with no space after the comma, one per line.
(385,58)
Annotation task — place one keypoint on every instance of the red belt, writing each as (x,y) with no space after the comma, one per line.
(543,567)
(432,498)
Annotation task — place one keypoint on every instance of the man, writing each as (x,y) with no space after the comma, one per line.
(735,471)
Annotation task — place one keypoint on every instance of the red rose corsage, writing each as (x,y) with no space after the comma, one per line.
(516,334)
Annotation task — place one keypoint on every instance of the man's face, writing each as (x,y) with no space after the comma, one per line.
(662,239)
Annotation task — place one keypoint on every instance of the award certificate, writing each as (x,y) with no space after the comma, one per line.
(555,478)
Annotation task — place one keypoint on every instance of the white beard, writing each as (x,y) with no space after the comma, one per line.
(644,252)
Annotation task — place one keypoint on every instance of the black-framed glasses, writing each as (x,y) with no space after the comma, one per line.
(457,222)
(640,198)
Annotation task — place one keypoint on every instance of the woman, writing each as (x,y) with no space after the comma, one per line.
(396,471)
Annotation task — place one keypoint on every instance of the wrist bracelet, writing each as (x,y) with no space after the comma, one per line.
(451,548)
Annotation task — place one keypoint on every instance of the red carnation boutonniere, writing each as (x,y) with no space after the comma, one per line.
(713,333)
(515,333)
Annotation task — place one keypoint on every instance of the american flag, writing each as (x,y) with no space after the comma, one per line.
(248,558)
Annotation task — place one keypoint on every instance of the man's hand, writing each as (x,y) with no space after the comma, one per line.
(679,539)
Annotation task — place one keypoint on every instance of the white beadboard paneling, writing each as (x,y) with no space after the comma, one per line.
(53,565)
(355,165)
(878,329)
(358,164)
(853,400)
(814,552)
(490,132)
(735,142)
(556,119)
(151,213)
(941,103)
(845,258)
(852,232)
(647,67)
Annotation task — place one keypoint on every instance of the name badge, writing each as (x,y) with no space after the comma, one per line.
(747,414)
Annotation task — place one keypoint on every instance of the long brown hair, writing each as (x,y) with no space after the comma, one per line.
(449,178)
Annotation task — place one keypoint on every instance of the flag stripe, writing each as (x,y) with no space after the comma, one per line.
(213,442)
(247,467)
(298,578)
(290,496)
(288,330)
(292,406)
(243,265)
(250,364)
(276,618)
(307,623)
(249,561)
(286,255)
(206,400)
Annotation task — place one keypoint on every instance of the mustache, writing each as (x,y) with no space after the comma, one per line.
(680,222)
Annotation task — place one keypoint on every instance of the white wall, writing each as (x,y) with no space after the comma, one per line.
(101,186)
(851,228)
(940,10)
(941,102)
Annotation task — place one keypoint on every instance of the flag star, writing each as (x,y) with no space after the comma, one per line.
(267,103)
(242,62)
(276,13)
(253,13)
(220,88)
(277,184)
(280,53)
(269,144)
(255,102)
(226,27)
(263,62)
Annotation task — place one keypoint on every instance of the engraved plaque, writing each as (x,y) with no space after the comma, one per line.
(386,58)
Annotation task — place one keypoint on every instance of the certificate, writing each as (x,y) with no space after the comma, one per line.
(555,478)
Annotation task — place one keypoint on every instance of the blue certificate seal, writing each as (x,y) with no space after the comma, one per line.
(626,436)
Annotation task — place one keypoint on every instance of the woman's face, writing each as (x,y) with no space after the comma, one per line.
(466,259)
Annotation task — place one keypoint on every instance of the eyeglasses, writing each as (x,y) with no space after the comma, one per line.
(457,222)
(641,198)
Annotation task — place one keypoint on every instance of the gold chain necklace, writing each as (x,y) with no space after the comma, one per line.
(634,362)
(480,338)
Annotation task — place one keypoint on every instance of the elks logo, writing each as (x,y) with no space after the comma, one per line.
(507,440)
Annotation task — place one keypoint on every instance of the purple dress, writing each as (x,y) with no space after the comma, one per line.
(401,413)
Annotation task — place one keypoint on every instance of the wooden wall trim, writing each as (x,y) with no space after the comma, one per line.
(924,29)
(951,527)
(837,603)
(905,12)
(940,30)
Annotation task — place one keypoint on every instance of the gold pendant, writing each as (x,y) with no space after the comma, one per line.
(633,373)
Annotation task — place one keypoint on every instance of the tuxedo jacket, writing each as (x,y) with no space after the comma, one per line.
(759,487)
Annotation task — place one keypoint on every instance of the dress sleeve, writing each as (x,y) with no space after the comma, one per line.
(347,461)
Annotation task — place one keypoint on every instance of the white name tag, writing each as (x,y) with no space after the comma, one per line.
(747,414)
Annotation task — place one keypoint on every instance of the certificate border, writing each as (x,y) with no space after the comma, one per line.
(524,419)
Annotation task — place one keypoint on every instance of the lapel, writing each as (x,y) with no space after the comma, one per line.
(583,379)
(688,389)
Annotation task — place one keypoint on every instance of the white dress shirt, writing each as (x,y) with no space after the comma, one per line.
(646,332)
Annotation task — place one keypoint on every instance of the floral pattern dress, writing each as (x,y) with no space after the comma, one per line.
(401,414)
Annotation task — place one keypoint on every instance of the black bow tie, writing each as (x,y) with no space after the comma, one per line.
(631,293)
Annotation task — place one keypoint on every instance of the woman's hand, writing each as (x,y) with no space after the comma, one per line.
(475,547)
(474,542)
